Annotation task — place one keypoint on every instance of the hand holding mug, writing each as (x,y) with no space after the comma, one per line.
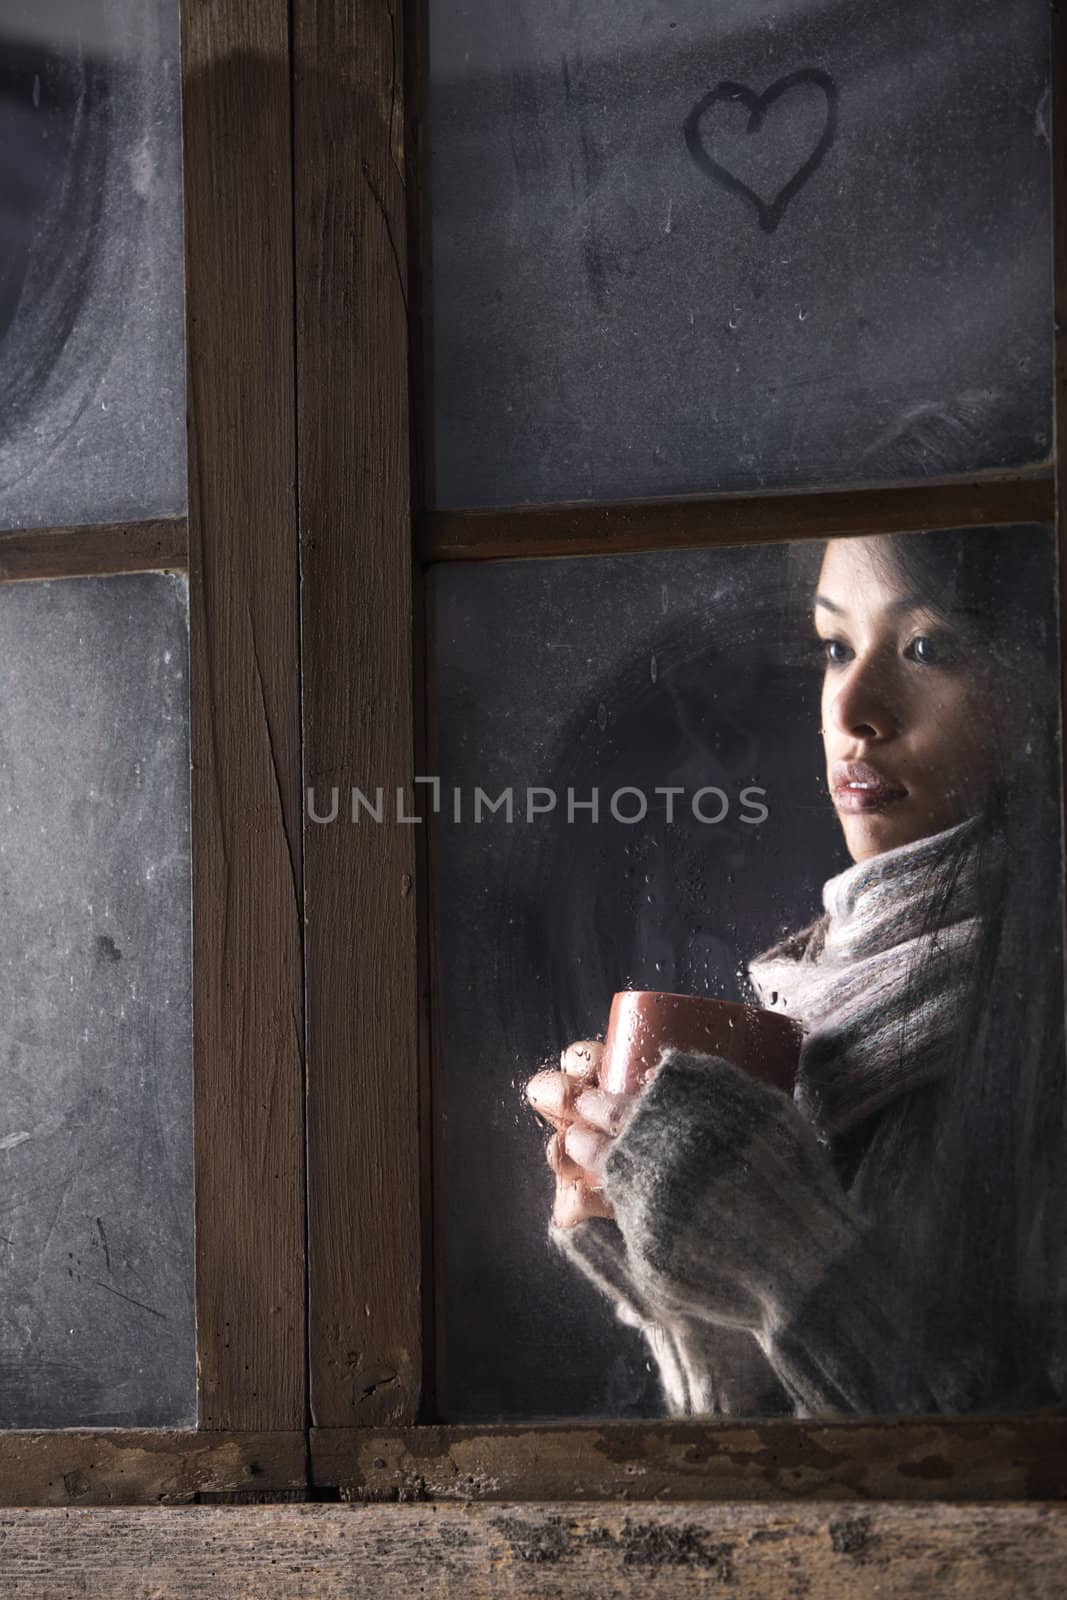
(586,1119)
(590,1100)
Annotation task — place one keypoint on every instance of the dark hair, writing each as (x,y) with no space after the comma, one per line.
(999,1161)
(996,583)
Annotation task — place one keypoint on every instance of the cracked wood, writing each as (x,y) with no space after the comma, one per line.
(247,961)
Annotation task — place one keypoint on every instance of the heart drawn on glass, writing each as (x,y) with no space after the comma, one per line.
(758,106)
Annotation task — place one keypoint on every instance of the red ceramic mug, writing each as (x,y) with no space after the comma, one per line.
(643,1021)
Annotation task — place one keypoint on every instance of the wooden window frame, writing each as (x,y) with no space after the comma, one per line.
(368,533)
(238,546)
(306,543)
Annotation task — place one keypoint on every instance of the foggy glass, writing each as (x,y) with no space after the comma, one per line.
(696,672)
(767,243)
(96,1196)
(92,408)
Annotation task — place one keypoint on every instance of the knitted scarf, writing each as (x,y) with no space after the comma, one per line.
(879,982)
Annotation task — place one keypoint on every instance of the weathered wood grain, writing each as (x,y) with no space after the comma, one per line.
(416,22)
(93,552)
(246,801)
(430,1155)
(814,1552)
(146,1467)
(420,367)
(357,610)
(1059,254)
(969,1459)
(626,527)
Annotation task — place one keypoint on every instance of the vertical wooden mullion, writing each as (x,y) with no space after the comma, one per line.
(247,963)
(1059,255)
(1059,271)
(420,369)
(365,1345)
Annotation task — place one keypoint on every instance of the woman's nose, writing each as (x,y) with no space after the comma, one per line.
(863,706)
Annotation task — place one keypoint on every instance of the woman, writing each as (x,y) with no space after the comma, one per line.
(890,1240)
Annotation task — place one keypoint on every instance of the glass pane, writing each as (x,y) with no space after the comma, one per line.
(92,410)
(846,1252)
(96,1289)
(687,248)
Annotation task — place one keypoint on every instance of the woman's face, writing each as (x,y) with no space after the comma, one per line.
(918,721)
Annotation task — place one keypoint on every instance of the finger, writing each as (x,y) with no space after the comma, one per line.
(575,1202)
(582,1059)
(588,1148)
(551,1095)
(608,1112)
(566,1170)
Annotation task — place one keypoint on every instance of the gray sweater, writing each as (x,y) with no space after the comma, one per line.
(853,1251)
(760,1283)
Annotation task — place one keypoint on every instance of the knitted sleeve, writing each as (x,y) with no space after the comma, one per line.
(705,1369)
(729,1216)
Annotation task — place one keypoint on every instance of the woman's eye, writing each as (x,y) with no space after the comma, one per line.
(835,652)
(930,652)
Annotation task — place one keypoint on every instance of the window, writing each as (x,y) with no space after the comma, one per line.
(357,489)
(545,397)
(153,1064)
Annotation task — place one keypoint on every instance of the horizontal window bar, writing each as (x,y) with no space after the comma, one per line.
(94,551)
(625,527)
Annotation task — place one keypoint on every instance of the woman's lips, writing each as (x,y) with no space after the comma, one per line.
(858,787)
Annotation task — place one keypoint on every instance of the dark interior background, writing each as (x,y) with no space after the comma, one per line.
(683,669)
